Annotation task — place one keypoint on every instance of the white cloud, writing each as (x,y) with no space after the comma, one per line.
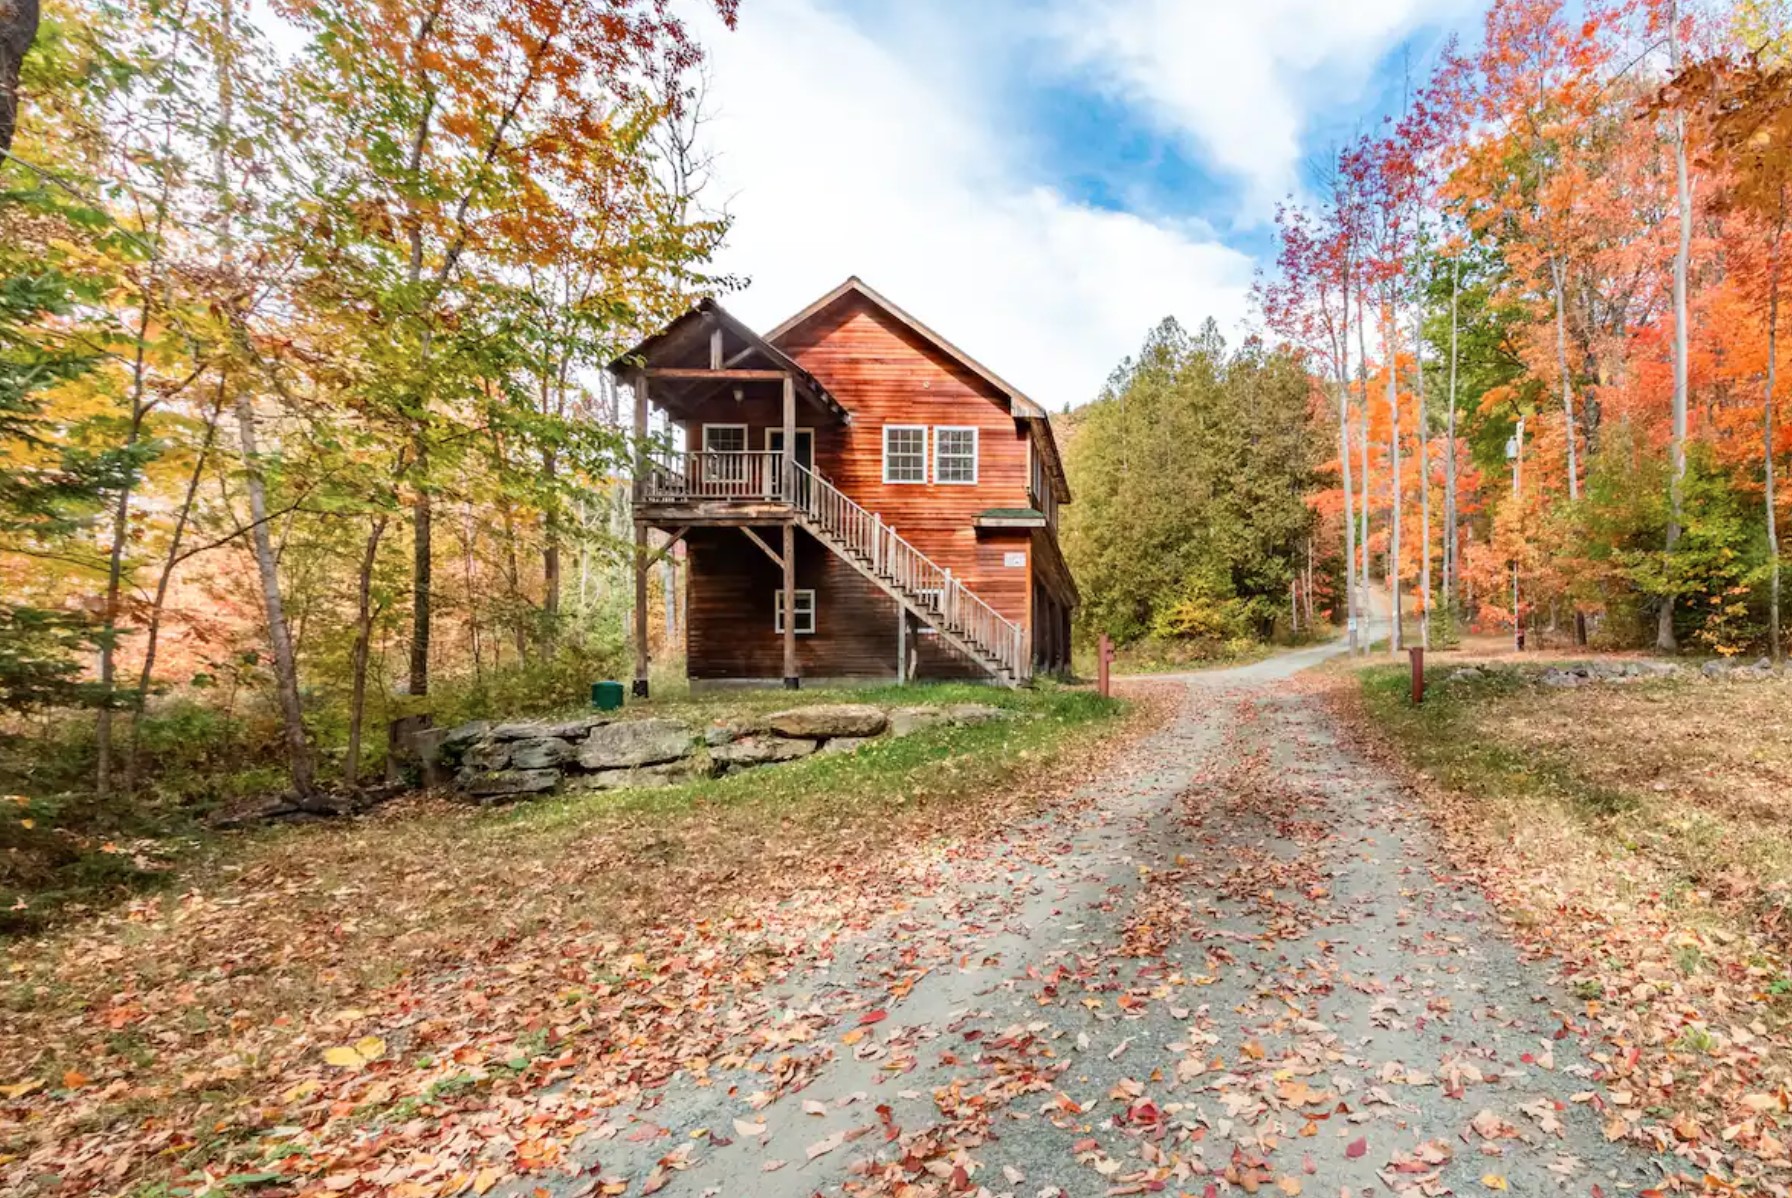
(837,156)
(1240,80)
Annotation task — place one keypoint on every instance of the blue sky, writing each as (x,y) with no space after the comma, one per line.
(1040,180)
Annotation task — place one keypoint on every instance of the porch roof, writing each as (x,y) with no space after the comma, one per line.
(705,353)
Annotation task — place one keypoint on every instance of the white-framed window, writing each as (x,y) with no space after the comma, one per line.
(954,455)
(805,612)
(724,439)
(905,453)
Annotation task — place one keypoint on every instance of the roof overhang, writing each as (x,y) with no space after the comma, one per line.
(707,351)
(1019,405)
(1010,517)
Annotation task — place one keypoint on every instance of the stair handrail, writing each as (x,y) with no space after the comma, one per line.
(911,571)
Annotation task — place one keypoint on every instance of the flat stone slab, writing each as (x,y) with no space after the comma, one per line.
(486,756)
(568,729)
(629,743)
(829,719)
(542,754)
(760,750)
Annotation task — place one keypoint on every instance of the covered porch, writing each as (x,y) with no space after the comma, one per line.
(706,369)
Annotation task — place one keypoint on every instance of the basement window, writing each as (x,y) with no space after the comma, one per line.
(805,612)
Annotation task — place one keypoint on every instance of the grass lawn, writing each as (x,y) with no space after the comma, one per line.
(473,955)
(1639,835)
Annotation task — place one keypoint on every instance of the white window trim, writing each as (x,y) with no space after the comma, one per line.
(746,439)
(778,611)
(976,454)
(904,482)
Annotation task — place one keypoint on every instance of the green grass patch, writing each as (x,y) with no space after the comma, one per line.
(1443,736)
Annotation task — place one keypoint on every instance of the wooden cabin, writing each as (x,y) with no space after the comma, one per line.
(859,500)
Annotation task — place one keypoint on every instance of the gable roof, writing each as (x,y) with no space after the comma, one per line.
(1019,405)
(685,342)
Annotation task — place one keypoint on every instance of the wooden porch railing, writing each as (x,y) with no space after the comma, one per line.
(678,477)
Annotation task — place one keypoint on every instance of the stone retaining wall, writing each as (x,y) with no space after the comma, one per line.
(499,762)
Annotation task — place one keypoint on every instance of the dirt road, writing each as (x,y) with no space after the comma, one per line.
(1240,962)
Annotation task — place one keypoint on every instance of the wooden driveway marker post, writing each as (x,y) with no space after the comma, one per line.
(1104,653)
(1417,654)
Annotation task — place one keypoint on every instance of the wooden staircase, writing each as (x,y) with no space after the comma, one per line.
(743,483)
(910,577)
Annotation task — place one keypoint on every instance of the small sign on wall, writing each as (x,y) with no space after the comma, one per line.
(1015,560)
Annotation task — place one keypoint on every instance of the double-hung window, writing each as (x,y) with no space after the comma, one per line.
(905,453)
(805,612)
(954,455)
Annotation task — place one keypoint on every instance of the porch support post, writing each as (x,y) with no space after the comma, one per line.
(901,643)
(791,681)
(786,474)
(789,489)
(641,566)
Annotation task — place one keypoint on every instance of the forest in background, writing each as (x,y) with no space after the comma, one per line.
(1542,307)
(302,424)
(1538,314)
(1193,535)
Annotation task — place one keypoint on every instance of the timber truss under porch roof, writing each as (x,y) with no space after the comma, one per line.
(707,353)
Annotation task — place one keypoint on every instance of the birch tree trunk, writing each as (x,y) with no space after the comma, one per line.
(1392,350)
(1556,272)
(1665,639)
(286,671)
(1452,533)
(1418,372)
(1353,599)
(1362,370)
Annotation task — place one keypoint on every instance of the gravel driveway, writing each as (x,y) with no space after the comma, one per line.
(1238,964)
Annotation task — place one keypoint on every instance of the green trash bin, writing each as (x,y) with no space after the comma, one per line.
(606,696)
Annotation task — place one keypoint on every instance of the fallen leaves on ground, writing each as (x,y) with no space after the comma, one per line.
(335,1015)
(1662,914)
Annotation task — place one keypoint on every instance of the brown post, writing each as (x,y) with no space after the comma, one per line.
(1417,656)
(791,681)
(787,475)
(1104,654)
(789,489)
(641,466)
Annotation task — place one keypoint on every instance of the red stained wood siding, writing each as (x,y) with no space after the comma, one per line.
(883,373)
(730,633)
